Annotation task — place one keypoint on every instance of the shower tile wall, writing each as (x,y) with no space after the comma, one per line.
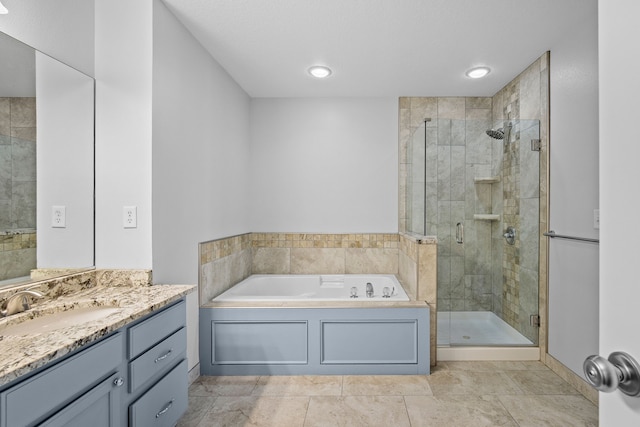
(457,150)
(523,102)
(484,273)
(474,293)
(17,186)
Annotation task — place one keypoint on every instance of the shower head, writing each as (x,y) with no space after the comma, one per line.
(496,134)
(500,133)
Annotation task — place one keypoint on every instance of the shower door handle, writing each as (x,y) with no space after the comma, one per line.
(459,233)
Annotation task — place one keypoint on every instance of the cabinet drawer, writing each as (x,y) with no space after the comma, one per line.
(153,330)
(157,359)
(164,403)
(32,399)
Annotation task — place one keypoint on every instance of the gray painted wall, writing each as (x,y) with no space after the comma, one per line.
(573,267)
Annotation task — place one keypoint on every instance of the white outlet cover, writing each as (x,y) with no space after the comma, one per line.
(129,217)
(58,217)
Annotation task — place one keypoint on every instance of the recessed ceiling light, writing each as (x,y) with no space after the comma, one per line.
(3,10)
(478,72)
(320,71)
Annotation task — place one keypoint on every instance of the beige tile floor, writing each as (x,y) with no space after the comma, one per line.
(455,394)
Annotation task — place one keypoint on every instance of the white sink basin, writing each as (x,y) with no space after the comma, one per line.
(59,320)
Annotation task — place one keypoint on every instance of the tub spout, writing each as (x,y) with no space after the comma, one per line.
(369,290)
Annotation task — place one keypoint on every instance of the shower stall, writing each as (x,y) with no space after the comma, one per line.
(474,183)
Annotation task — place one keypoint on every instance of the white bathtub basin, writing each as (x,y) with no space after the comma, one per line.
(334,287)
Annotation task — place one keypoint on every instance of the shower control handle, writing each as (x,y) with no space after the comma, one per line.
(510,235)
(459,233)
(620,371)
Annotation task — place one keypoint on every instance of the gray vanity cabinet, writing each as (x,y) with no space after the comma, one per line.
(135,377)
(164,403)
(158,379)
(100,407)
(67,388)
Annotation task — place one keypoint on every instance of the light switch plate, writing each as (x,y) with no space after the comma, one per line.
(596,219)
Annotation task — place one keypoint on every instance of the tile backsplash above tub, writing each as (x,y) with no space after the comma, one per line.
(227,261)
(295,253)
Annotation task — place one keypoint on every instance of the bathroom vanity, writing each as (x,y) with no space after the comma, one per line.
(135,374)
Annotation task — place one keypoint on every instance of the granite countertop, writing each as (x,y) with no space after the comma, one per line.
(24,353)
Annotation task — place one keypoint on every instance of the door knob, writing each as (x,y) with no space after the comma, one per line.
(620,371)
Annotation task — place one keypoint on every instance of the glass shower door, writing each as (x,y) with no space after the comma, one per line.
(520,258)
(467,188)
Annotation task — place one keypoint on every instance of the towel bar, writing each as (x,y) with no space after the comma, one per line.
(553,234)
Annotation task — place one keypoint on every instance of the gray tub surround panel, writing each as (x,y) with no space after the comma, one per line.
(348,338)
(227,261)
(77,291)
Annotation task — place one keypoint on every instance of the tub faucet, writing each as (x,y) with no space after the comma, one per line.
(19,302)
(369,290)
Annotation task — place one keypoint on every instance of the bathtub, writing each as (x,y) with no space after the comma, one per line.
(343,287)
(310,325)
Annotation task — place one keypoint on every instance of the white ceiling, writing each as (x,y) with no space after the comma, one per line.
(377,47)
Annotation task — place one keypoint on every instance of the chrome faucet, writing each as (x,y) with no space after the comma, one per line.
(19,302)
(369,290)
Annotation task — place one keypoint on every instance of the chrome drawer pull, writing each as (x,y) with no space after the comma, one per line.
(164,356)
(166,408)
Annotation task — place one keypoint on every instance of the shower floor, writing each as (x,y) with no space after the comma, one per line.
(477,328)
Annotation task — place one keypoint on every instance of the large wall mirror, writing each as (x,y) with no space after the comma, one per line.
(46,165)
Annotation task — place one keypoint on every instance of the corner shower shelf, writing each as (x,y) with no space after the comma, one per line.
(486,217)
(487,180)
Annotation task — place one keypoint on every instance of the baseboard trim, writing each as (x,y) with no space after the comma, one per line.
(194,374)
(575,380)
